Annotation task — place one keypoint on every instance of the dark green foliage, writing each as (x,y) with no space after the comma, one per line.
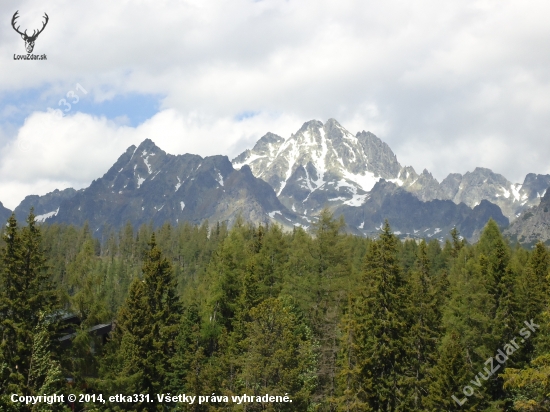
(338,322)
(277,356)
(425,329)
(450,374)
(377,332)
(144,339)
(189,371)
(26,297)
(45,375)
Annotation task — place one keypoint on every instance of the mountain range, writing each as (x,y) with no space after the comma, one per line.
(289,181)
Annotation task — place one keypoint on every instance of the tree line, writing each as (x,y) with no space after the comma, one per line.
(337,322)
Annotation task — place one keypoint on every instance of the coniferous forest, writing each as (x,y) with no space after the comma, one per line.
(333,321)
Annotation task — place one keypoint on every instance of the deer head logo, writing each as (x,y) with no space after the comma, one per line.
(29,40)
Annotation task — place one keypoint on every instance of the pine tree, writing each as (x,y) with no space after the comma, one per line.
(425,328)
(145,334)
(26,295)
(448,378)
(278,357)
(382,338)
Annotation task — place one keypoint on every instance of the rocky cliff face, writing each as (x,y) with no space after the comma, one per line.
(411,217)
(325,165)
(148,185)
(533,225)
(44,206)
(320,165)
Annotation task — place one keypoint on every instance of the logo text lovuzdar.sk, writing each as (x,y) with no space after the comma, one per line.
(29,39)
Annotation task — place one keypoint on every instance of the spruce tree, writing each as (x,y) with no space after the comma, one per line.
(146,329)
(425,328)
(382,339)
(350,396)
(189,368)
(26,295)
(458,242)
(448,378)
(278,357)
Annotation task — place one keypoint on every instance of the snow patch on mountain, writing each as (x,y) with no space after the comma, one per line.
(248,161)
(293,156)
(147,164)
(219,179)
(357,200)
(272,214)
(140,181)
(42,218)
(366,181)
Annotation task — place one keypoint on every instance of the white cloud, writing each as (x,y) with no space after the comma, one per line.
(448,85)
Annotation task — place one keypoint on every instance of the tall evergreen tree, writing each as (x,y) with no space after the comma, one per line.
(45,374)
(190,372)
(448,378)
(145,335)
(382,339)
(425,328)
(350,393)
(25,296)
(278,357)
(533,283)
(327,293)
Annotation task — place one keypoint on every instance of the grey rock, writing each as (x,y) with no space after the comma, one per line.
(533,224)
(148,185)
(413,218)
(5,213)
(44,206)
(320,165)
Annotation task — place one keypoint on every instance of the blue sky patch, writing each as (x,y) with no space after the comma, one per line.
(137,108)
(16,106)
(246,115)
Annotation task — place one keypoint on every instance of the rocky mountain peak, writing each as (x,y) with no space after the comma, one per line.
(325,165)
(310,125)
(147,184)
(320,164)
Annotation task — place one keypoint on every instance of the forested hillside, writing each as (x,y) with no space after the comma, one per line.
(336,322)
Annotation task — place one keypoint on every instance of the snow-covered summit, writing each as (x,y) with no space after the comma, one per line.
(321,164)
(326,165)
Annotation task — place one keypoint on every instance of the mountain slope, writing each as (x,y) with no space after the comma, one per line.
(5,213)
(412,217)
(146,184)
(325,165)
(320,165)
(533,225)
(44,206)
(289,181)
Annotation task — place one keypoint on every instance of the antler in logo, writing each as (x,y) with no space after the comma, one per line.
(29,40)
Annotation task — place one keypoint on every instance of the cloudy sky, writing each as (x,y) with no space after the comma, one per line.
(448,85)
